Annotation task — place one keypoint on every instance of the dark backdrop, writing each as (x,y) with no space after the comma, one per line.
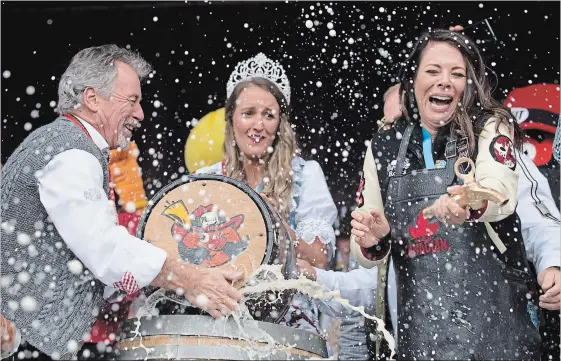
(193,47)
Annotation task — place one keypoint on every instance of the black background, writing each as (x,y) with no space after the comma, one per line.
(39,39)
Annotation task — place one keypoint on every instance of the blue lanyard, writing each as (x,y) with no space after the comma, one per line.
(427,150)
(259,187)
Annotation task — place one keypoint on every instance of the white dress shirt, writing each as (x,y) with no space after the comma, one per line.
(71,190)
(540,233)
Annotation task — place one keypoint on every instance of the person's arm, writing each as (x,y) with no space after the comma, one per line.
(358,286)
(540,232)
(315,216)
(496,168)
(370,196)
(71,190)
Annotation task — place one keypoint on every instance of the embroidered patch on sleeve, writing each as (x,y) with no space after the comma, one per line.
(93,195)
(127,283)
(502,150)
(359,196)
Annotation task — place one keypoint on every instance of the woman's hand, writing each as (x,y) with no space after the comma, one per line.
(306,269)
(272,203)
(315,253)
(452,208)
(368,229)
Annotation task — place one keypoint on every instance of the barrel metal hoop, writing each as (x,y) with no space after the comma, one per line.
(196,353)
(202,325)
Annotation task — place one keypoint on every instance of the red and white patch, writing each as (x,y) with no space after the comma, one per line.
(127,283)
(359,196)
(502,150)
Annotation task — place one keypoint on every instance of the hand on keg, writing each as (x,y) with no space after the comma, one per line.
(306,269)
(452,208)
(368,229)
(212,291)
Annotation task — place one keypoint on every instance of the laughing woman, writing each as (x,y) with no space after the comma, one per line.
(460,295)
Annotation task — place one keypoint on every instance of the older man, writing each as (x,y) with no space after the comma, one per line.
(60,238)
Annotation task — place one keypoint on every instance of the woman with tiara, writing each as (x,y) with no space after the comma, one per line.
(260,150)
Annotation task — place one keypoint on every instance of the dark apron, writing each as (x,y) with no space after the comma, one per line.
(457,299)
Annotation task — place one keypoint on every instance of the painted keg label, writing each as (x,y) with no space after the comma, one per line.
(205,237)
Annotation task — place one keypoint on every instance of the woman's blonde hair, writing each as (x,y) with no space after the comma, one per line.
(278,167)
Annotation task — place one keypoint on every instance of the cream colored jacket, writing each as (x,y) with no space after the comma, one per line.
(489,173)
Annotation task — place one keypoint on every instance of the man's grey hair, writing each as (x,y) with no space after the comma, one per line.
(94,68)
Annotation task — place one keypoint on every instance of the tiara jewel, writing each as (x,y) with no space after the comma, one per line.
(262,67)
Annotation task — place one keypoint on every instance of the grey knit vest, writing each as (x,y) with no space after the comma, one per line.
(53,308)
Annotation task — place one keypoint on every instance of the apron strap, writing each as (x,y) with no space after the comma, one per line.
(403,149)
(381,298)
(450,171)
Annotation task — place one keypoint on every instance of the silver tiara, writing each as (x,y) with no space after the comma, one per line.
(259,67)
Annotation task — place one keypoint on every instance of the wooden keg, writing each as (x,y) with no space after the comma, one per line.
(217,222)
(198,337)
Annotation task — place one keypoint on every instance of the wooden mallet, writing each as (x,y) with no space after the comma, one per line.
(476,194)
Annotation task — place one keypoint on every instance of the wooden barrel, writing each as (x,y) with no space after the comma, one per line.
(217,222)
(198,337)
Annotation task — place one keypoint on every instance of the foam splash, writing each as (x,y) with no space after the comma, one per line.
(248,327)
(314,290)
(267,278)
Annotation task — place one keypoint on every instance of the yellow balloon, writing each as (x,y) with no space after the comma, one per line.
(204,144)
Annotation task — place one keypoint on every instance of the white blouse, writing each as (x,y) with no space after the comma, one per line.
(312,204)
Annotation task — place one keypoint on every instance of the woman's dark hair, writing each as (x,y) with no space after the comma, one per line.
(477,104)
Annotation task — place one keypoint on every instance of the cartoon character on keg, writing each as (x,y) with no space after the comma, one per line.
(205,237)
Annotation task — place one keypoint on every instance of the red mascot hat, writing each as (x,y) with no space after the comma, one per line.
(536,108)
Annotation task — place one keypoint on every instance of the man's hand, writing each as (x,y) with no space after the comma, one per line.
(213,292)
(549,282)
(210,289)
(368,229)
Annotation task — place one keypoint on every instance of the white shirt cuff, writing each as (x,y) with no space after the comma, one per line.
(326,279)
(549,261)
(148,264)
